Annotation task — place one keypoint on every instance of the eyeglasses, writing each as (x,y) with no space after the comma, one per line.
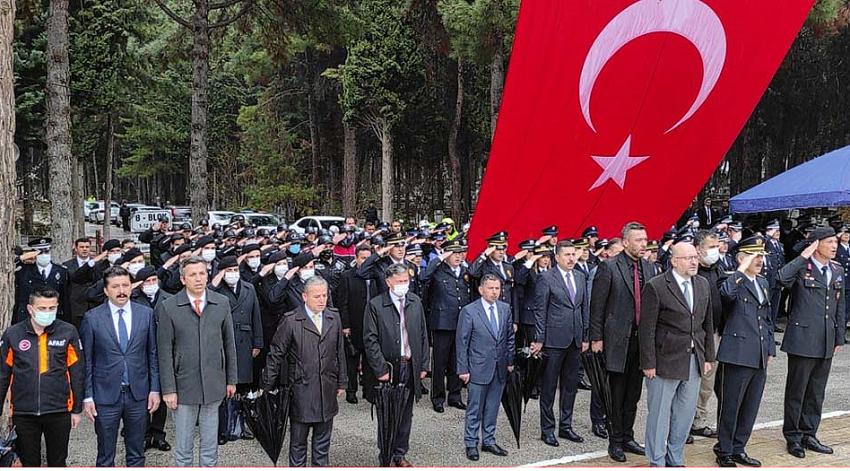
(689,258)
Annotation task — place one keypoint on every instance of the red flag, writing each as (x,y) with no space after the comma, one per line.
(620,110)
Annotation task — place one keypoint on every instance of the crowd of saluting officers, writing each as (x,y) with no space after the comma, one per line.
(215,315)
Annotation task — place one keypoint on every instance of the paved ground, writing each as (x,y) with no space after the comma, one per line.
(437,438)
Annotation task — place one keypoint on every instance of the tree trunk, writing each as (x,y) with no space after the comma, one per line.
(107,192)
(58,130)
(454,159)
(198,139)
(312,119)
(77,197)
(386,171)
(7,163)
(349,174)
(497,84)
(27,197)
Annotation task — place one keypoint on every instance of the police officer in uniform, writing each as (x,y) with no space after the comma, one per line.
(842,256)
(815,332)
(492,260)
(36,270)
(746,346)
(775,259)
(395,251)
(446,290)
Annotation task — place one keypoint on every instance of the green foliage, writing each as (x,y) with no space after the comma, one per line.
(825,11)
(479,27)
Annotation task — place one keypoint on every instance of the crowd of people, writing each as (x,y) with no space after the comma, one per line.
(214,314)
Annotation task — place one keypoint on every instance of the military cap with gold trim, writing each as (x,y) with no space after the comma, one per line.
(455,246)
(499,239)
(395,239)
(527,244)
(753,245)
(551,231)
(581,243)
(543,249)
(652,245)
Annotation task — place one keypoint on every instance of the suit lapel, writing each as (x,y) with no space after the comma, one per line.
(135,327)
(106,317)
(556,273)
(623,265)
(753,288)
(674,289)
(306,321)
(482,313)
(327,322)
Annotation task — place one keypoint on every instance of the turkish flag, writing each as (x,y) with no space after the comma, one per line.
(620,110)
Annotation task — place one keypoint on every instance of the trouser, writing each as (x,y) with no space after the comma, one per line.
(625,395)
(775,297)
(846,304)
(134,415)
(482,412)
(185,418)
(702,418)
(671,404)
(445,368)
(352,366)
(56,428)
(156,427)
(561,369)
(804,393)
(742,392)
(321,443)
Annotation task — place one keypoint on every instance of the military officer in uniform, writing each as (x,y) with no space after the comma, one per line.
(35,270)
(592,236)
(775,259)
(373,268)
(492,260)
(842,256)
(446,290)
(746,347)
(815,332)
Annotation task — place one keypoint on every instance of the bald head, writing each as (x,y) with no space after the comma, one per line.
(684,259)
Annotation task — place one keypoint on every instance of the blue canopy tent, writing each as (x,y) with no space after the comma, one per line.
(820,182)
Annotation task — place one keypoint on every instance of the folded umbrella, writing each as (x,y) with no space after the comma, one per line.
(512,401)
(266,416)
(8,457)
(533,371)
(597,373)
(389,403)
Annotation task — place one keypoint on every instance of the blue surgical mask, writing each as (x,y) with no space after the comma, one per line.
(44,318)
(295,248)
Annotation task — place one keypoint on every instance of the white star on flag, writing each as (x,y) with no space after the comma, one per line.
(615,167)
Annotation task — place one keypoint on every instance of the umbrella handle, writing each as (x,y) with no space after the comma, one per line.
(390,365)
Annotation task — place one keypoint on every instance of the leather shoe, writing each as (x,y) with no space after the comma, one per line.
(725,461)
(744,459)
(600,431)
(458,405)
(570,435)
(633,447)
(707,432)
(616,454)
(246,435)
(549,440)
(439,408)
(583,384)
(472,453)
(402,463)
(812,443)
(351,398)
(157,443)
(222,440)
(796,450)
(494,450)
(689,440)
(424,391)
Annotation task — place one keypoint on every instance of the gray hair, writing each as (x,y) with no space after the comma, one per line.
(190,261)
(315,280)
(632,226)
(395,269)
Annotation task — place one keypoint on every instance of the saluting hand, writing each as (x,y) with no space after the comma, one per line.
(29,257)
(745,263)
(266,269)
(810,250)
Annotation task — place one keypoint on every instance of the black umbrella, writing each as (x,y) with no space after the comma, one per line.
(7,449)
(533,370)
(389,403)
(597,373)
(266,416)
(512,400)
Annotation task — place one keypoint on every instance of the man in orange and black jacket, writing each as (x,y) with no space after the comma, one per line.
(41,358)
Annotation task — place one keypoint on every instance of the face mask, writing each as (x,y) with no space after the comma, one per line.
(306,274)
(400,290)
(711,256)
(113,257)
(44,318)
(280,270)
(231,277)
(43,259)
(295,248)
(134,268)
(208,255)
(253,263)
(150,290)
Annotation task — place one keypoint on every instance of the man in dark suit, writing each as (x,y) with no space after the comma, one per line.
(352,295)
(77,302)
(614,318)
(37,270)
(774,260)
(676,349)
(707,215)
(396,342)
(485,356)
(492,260)
(842,257)
(310,341)
(122,370)
(815,332)
(446,288)
(746,347)
(562,318)
(375,266)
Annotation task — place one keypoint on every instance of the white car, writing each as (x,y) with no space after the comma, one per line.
(219,217)
(319,222)
(97,215)
(262,220)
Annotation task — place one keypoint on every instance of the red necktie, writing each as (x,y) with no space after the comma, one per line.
(637,293)
(198,307)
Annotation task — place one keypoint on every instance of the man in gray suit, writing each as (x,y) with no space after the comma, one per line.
(814,334)
(676,348)
(562,318)
(197,361)
(485,355)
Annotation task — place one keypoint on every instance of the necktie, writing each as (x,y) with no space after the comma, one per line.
(686,290)
(570,288)
(123,339)
(636,286)
(198,307)
(825,274)
(405,346)
(494,323)
(758,290)
(317,319)
(44,274)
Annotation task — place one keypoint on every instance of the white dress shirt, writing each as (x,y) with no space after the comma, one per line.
(820,269)
(128,317)
(680,280)
(487,311)
(399,305)
(203,299)
(758,288)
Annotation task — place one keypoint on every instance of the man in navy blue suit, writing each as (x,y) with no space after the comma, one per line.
(485,356)
(122,369)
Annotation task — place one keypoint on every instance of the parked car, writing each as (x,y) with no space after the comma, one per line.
(91,206)
(262,220)
(219,217)
(180,214)
(97,215)
(319,222)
